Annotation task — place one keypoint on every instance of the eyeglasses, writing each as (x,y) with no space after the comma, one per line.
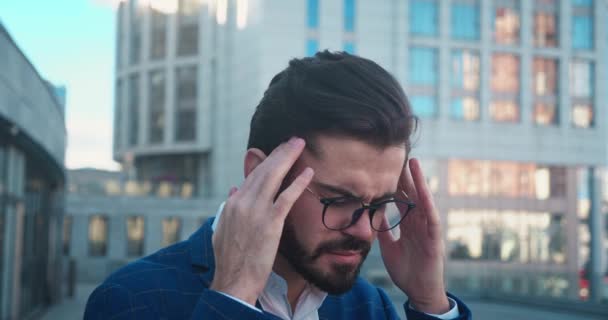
(340,213)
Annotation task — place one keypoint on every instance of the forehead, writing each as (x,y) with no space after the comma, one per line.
(360,167)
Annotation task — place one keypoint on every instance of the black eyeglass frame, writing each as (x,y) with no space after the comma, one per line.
(371,207)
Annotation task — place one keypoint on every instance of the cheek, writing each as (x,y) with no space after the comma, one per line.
(305,217)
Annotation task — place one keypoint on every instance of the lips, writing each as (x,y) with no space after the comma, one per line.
(345,257)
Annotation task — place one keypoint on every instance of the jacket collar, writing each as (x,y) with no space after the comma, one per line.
(201,250)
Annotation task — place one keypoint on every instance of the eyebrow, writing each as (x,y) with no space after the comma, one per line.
(349,194)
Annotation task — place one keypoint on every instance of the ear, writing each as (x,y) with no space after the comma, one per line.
(253,158)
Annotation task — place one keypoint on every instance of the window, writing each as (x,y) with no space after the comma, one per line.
(349,15)
(120,34)
(157,106)
(423,81)
(67,234)
(506,235)
(136,32)
(423,17)
(158,41)
(187,32)
(545,23)
(349,47)
(544,82)
(98,236)
(581,93)
(118,110)
(464,76)
(133,109)
(186,96)
(312,47)
(504,106)
(135,236)
(313,14)
(582,25)
(505,179)
(171,230)
(506,22)
(465,19)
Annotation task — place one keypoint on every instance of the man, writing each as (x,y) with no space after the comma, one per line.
(326,172)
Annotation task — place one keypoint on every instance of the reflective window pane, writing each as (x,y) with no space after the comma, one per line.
(506,235)
(349,47)
(506,25)
(135,236)
(422,66)
(312,14)
(582,32)
(67,234)
(424,106)
(136,32)
(158,36)
(423,17)
(504,111)
(133,109)
(544,88)
(582,115)
(465,108)
(505,73)
(349,15)
(545,29)
(187,32)
(98,235)
(171,231)
(186,96)
(581,79)
(118,110)
(312,47)
(464,70)
(156,91)
(465,20)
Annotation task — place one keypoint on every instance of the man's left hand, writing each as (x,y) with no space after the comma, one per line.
(415,261)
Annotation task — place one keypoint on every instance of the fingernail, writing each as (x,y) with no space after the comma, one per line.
(308,172)
(296,142)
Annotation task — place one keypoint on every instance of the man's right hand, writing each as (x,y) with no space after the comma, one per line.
(247,237)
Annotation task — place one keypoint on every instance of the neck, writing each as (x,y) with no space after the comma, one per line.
(295,282)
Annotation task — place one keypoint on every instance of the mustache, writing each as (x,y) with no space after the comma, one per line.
(348,243)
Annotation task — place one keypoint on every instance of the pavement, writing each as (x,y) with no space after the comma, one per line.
(74,309)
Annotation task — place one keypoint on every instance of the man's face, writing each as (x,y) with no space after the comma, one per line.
(330,259)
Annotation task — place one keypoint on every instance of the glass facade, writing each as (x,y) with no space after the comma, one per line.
(582,25)
(482,178)
(134,94)
(118,114)
(505,88)
(349,15)
(349,47)
(98,236)
(506,22)
(187,32)
(186,101)
(465,20)
(581,93)
(423,17)
(422,81)
(136,32)
(464,82)
(135,236)
(156,100)
(167,175)
(66,236)
(312,14)
(312,46)
(545,33)
(516,236)
(158,35)
(545,90)
(171,230)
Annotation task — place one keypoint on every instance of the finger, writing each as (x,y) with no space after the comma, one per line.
(267,177)
(406,182)
(289,196)
(425,198)
(232,191)
(388,244)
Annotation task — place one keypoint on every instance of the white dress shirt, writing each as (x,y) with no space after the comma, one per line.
(274,297)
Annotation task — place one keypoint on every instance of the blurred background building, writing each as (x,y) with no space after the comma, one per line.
(32,179)
(513,129)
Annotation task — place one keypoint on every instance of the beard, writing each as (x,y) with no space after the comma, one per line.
(340,278)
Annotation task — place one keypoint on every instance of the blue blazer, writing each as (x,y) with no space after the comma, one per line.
(173,284)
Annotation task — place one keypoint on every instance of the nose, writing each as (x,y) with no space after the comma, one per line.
(362,228)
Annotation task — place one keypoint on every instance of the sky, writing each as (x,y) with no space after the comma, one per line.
(72,43)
